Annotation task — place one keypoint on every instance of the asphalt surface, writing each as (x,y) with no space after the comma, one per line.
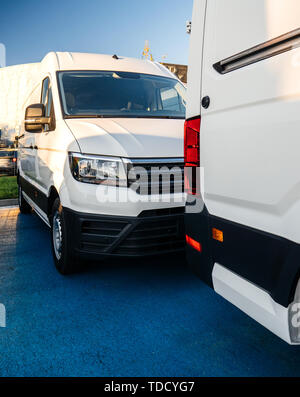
(131,318)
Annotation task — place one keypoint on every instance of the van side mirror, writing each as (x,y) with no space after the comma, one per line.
(35,118)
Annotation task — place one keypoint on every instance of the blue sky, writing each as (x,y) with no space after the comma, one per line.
(29,29)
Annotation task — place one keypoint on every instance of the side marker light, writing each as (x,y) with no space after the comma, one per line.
(193,243)
(217,235)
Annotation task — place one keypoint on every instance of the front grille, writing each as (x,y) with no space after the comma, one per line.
(151,237)
(98,236)
(155,235)
(163,212)
(156,176)
(153,232)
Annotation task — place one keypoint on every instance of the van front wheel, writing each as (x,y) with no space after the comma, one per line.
(64,260)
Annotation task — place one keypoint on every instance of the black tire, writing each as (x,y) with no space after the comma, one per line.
(64,260)
(24,207)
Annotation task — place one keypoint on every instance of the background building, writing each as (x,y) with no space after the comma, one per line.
(179,70)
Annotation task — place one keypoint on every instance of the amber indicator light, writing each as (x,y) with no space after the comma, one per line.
(217,235)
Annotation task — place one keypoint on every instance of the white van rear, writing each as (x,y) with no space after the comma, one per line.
(242,129)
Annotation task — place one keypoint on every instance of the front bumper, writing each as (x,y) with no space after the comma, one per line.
(8,170)
(153,232)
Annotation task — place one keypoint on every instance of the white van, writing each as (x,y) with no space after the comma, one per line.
(99,148)
(243,130)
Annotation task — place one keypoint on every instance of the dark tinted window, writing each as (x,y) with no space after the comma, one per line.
(7,153)
(47,100)
(45,91)
(121,94)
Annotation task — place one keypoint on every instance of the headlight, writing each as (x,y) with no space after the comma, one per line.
(98,169)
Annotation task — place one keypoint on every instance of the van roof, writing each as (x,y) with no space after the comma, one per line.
(56,61)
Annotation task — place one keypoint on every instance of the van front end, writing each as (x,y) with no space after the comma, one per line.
(101,157)
(125,193)
(124,207)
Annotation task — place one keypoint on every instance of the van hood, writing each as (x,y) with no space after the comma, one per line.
(129,137)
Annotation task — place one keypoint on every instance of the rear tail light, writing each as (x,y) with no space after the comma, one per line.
(14,160)
(191,154)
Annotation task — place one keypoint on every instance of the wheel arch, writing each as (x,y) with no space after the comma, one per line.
(53,195)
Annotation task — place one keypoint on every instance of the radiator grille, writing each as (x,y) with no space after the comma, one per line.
(158,176)
(151,237)
(153,232)
(98,236)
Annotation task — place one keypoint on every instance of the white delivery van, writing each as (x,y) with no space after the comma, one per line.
(243,130)
(101,157)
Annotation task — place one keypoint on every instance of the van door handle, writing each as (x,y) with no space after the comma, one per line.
(35,147)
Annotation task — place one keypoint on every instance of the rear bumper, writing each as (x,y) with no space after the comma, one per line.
(256,271)
(254,301)
(269,262)
(154,232)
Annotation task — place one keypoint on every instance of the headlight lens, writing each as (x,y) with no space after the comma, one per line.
(98,169)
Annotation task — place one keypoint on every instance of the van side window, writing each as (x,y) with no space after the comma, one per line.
(45,87)
(170,99)
(47,100)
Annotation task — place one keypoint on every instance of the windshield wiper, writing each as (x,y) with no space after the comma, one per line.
(116,116)
(82,116)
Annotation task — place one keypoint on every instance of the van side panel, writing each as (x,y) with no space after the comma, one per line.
(250,133)
(195,59)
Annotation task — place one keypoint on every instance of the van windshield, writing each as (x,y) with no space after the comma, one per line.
(121,94)
(9,153)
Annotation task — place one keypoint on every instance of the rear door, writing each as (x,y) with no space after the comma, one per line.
(250,134)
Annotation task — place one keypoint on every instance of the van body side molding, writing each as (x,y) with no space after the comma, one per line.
(268,49)
(252,300)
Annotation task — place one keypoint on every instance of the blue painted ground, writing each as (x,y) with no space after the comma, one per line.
(151,318)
